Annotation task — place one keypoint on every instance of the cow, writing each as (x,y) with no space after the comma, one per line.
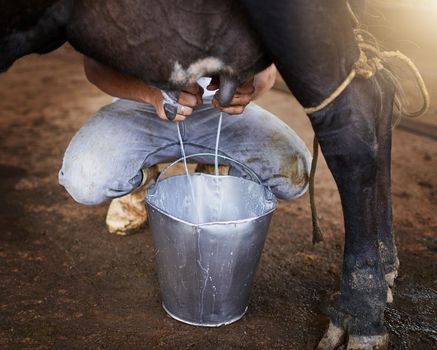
(169,44)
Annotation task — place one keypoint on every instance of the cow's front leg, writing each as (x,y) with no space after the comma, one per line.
(347,132)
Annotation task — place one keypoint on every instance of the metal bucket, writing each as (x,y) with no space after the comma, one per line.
(208,242)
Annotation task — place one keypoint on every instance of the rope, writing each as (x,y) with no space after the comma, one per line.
(364,68)
(334,95)
(317,232)
(383,56)
(353,15)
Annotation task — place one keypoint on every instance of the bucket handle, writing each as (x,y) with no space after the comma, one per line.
(246,168)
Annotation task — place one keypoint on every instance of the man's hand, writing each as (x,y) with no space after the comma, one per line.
(247,92)
(242,97)
(189,97)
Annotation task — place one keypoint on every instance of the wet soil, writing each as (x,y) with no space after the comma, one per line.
(66,283)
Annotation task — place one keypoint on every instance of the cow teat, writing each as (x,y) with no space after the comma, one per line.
(228,86)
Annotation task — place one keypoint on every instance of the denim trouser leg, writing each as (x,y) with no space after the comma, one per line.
(104,159)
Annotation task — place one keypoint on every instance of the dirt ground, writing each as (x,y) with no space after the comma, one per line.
(66,283)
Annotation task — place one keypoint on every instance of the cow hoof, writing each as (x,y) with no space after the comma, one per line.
(332,339)
(374,342)
(336,338)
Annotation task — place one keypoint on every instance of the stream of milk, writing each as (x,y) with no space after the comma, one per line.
(217,190)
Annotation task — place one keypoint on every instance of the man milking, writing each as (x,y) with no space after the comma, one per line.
(116,153)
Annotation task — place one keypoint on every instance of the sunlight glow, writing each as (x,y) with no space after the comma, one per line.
(422,4)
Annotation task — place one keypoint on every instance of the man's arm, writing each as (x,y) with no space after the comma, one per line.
(264,81)
(120,85)
(117,84)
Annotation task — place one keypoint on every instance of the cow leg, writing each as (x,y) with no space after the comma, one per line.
(348,134)
(336,332)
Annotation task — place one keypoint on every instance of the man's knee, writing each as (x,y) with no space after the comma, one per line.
(98,164)
(92,180)
(83,194)
(291,179)
(82,179)
(285,159)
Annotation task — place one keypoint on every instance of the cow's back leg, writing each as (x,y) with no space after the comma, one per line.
(348,137)
(314,62)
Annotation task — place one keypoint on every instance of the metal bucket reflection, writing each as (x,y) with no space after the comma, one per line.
(208,243)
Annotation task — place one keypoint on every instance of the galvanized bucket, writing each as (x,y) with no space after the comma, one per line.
(208,242)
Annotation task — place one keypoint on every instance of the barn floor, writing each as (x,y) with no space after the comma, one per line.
(66,283)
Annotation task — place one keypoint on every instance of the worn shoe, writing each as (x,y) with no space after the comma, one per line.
(128,214)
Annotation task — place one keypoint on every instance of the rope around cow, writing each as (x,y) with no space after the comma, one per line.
(364,68)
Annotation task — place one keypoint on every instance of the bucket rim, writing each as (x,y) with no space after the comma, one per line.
(240,221)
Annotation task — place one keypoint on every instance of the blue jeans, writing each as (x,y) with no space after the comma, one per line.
(104,159)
